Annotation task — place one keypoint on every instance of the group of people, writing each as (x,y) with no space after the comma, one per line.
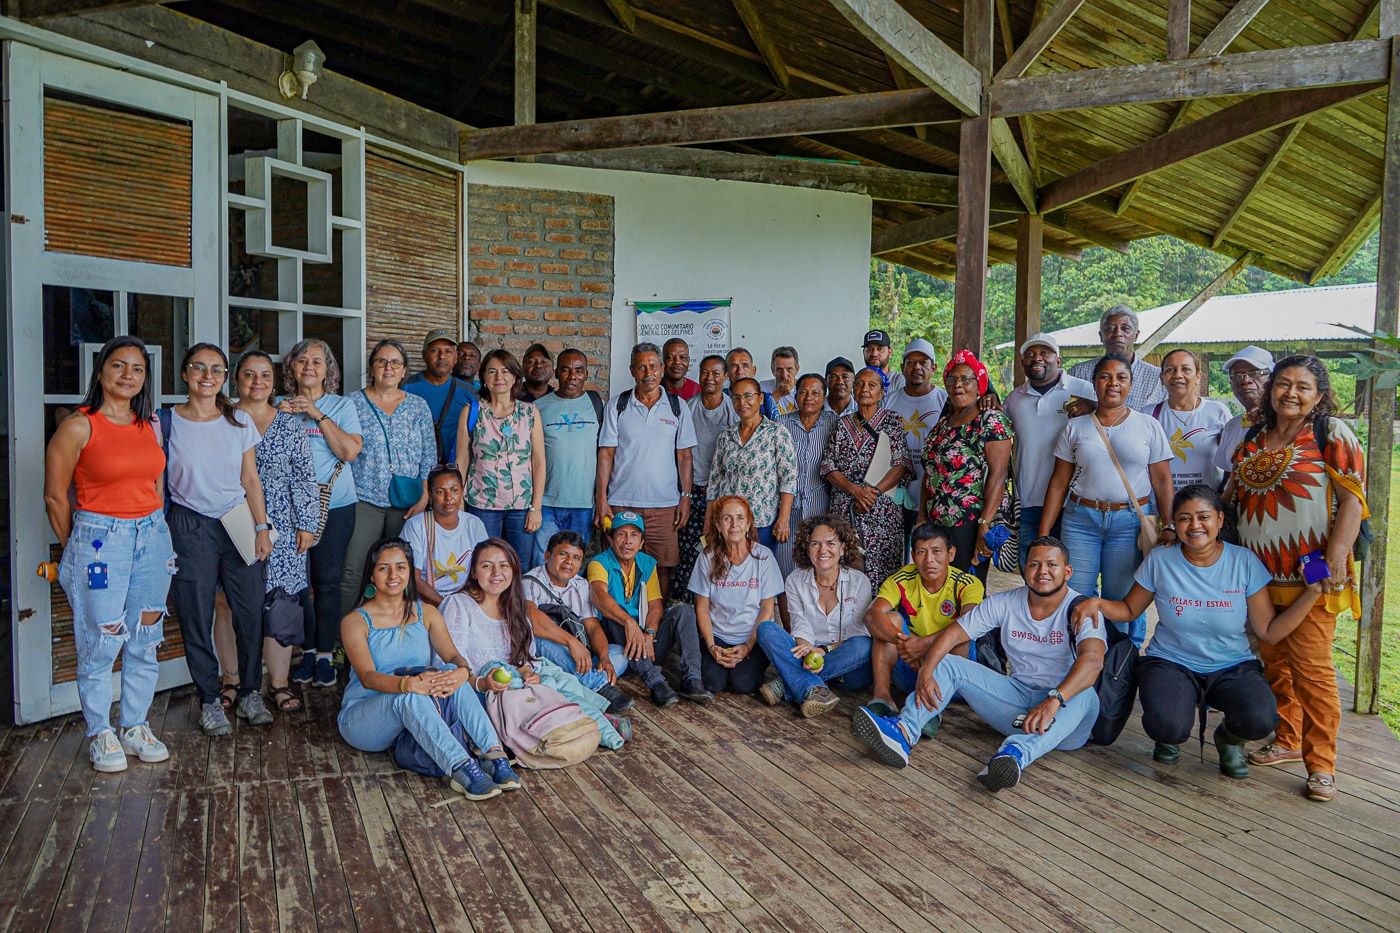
(489,523)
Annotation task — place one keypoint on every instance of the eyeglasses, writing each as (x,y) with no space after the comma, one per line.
(960,380)
(444,466)
(746,396)
(383,363)
(1257,375)
(218,372)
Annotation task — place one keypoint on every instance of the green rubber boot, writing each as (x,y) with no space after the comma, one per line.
(1166,754)
(1233,761)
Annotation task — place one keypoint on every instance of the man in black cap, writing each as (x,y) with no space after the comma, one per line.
(876,348)
(840,379)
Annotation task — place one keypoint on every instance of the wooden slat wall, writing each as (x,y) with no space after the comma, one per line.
(412,251)
(116,184)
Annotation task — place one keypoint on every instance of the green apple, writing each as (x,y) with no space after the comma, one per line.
(813,662)
(501,676)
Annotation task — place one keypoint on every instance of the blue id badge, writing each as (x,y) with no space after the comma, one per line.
(1314,567)
(97,570)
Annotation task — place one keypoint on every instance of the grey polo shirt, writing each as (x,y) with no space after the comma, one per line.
(644,464)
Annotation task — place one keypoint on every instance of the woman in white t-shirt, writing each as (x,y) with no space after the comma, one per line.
(1100,524)
(736,582)
(827,596)
(1192,423)
(443,537)
(212,471)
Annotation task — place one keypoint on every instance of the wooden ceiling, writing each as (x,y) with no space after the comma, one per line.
(1303,196)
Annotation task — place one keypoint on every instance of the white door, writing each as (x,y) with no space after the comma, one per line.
(119,251)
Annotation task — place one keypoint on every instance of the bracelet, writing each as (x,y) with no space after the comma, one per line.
(322,418)
(403,684)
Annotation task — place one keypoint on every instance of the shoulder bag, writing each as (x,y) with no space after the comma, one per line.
(1147,528)
(404,491)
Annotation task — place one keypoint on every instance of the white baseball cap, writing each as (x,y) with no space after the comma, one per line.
(1257,357)
(920,345)
(1040,340)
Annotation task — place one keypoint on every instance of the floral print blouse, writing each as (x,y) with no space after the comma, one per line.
(293,498)
(499,476)
(400,443)
(760,471)
(955,466)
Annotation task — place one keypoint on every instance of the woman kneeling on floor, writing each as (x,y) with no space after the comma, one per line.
(392,630)
(1207,593)
(827,597)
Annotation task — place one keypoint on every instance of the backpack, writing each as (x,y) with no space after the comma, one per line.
(625,399)
(597,401)
(1361,547)
(1117,682)
(544,729)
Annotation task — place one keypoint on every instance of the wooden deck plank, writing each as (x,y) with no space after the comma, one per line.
(509,889)
(434,882)
(330,890)
(296,909)
(248,744)
(373,910)
(32,759)
(112,902)
(389,856)
(221,880)
(188,862)
(149,899)
(70,751)
(541,884)
(35,905)
(257,886)
(75,902)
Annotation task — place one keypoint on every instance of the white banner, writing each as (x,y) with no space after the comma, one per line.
(703,325)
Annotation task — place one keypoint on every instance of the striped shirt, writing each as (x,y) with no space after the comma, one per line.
(812,494)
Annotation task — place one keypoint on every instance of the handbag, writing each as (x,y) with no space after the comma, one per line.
(1147,528)
(323,497)
(404,491)
(283,618)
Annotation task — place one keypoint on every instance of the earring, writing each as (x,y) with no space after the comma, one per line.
(370,591)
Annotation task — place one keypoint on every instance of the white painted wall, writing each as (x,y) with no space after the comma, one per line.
(795,261)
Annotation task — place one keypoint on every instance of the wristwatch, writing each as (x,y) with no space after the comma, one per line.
(265,526)
(685,495)
(1057,695)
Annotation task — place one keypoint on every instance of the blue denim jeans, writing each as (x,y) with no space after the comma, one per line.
(510,524)
(556,520)
(849,663)
(1104,544)
(373,723)
(1030,528)
(553,651)
(765,537)
(107,621)
(998,700)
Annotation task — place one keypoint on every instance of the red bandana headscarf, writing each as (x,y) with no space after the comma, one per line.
(969,359)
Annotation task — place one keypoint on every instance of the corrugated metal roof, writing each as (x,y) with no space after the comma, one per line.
(1269,319)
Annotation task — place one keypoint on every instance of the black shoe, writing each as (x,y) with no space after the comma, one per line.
(618,702)
(663,696)
(695,692)
(1166,753)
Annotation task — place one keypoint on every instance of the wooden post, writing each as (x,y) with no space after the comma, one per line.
(1178,28)
(974,188)
(1030,251)
(526,26)
(1381,406)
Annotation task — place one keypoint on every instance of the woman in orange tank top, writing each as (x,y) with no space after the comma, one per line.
(117,557)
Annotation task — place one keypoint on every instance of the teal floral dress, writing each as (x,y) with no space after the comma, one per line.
(499,476)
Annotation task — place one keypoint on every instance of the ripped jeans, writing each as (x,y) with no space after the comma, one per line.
(106,622)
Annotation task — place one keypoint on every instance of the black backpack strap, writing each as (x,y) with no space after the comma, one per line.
(623,401)
(164,418)
(1321,424)
(1251,434)
(1073,602)
(597,401)
(675,401)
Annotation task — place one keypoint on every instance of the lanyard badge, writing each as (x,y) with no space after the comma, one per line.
(97,570)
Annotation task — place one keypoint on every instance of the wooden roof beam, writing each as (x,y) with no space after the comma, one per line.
(763,41)
(919,51)
(924,230)
(1258,183)
(1222,128)
(622,10)
(1364,61)
(1356,234)
(1041,35)
(1178,29)
(1013,162)
(1182,314)
(1059,220)
(839,113)
(53,9)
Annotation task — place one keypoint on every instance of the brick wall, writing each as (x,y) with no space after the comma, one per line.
(541,269)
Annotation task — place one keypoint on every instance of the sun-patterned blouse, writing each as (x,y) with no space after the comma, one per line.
(1287,499)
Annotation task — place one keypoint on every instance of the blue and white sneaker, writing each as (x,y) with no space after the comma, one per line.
(1003,769)
(471,782)
(883,735)
(502,774)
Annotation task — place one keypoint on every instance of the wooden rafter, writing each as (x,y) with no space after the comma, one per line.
(1222,128)
(1258,183)
(763,41)
(526,60)
(1041,35)
(1013,162)
(1178,29)
(1337,63)
(1059,220)
(916,233)
(974,183)
(626,16)
(1357,233)
(919,51)
(52,9)
(1182,314)
(904,81)
(711,124)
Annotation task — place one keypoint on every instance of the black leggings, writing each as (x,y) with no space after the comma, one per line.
(965,536)
(327,564)
(1172,696)
(744,677)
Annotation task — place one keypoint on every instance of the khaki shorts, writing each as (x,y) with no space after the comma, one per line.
(660,538)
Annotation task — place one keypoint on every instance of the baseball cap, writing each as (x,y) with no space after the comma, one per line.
(920,345)
(627,517)
(879,337)
(1257,357)
(441,333)
(1040,339)
(839,361)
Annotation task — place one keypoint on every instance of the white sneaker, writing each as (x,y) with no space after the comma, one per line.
(105,753)
(142,742)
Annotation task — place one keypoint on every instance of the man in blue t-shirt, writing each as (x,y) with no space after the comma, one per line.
(438,387)
(570,417)
(1047,702)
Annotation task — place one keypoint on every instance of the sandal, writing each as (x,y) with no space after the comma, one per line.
(286,700)
(228,695)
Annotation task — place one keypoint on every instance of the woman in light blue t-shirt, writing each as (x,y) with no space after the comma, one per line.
(1208,595)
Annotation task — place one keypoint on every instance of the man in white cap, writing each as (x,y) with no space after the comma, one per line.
(1118,329)
(918,401)
(1039,409)
(1248,369)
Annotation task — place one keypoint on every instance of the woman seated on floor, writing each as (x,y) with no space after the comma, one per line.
(1208,595)
(827,596)
(736,582)
(391,630)
(490,622)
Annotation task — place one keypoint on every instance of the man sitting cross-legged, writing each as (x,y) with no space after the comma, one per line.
(912,606)
(1047,702)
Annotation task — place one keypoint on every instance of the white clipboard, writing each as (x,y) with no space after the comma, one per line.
(238,522)
(881,462)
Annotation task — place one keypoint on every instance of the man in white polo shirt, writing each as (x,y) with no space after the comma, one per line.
(1038,412)
(1248,369)
(644,459)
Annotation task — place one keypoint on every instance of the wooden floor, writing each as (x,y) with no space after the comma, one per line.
(727,817)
